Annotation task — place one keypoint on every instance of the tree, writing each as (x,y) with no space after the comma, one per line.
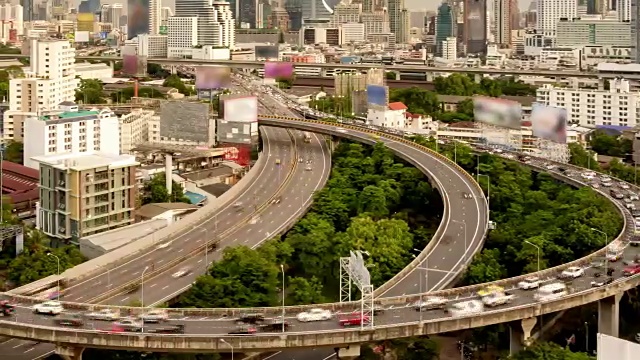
(549,351)
(14,152)
(605,144)
(155,191)
(90,91)
(303,291)
(174,81)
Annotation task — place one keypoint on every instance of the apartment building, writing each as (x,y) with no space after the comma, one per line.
(70,130)
(581,32)
(617,106)
(152,45)
(82,195)
(139,126)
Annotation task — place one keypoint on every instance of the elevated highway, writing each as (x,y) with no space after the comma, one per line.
(207,328)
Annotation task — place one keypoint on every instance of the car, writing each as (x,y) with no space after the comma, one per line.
(316,314)
(128,325)
(602,282)
(173,329)
(632,269)
(277,161)
(154,316)
(69,320)
(300,160)
(529,283)
(634,197)
(341,130)
(104,315)
(624,186)
(572,272)
(244,330)
(6,308)
(276,200)
(354,319)
(308,168)
(466,308)
(250,318)
(184,271)
(430,303)
(49,308)
(274,325)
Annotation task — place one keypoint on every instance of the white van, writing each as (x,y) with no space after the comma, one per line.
(551,292)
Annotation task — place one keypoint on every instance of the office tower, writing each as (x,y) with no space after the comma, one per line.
(445,26)
(247,14)
(49,82)
(224,25)
(396,22)
(375,22)
(111,14)
(216,25)
(345,13)
(27,10)
(502,12)
(635,27)
(404,26)
(318,9)
(475,26)
(623,9)
(278,19)
(89,7)
(294,9)
(155,16)
(550,11)
(515,15)
(263,14)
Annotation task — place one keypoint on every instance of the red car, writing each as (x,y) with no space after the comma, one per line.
(631,270)
(354,319)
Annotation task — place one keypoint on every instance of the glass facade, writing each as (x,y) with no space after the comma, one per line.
(445,26)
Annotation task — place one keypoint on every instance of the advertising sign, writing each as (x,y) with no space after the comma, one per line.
(278,70)
(377,95)
(549,123)
(212,77)
(81,36)
(242,109)
(267,51)
(497,112)
(163,30)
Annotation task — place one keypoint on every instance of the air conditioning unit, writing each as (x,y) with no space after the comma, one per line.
(61,230)
(61,183)
(61,206)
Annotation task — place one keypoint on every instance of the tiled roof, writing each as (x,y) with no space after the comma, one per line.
(397,106)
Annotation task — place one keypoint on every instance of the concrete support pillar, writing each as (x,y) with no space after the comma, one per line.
(168,162)
(520,334)
(429,76)
(69,352)
(609,315)
(600,84)
(478,78)
(397,75)
(351,352)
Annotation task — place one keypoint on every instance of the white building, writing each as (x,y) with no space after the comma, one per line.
(182,36)
(450,49)
(215,23)
(351,33)
(392,117)
(155,16)
(50,81)
(502,21)
(93,71)
(138,127)
(623,10)
(344,13)
(152,45)
(550,11)
(12,20)
(592,31)
(70,131)
(617,106)
(376,22)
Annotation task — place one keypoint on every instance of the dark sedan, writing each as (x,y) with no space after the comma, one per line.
(69,320)
(243,330)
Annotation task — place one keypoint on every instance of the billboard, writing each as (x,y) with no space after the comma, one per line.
(497,112)
(81,36)
(241,109)
(610,347)
(549,123)
(378,95)
(212,77)
(267,51)
(13,35)
(185,120)
(164,30)
(138,17)
(240,154)
(278,70)
(86,22)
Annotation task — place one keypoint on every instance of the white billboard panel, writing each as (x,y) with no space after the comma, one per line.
(81,36)
(613,348)
(242,109)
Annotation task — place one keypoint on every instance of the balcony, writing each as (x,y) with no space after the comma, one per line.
(61,185)
(62,207)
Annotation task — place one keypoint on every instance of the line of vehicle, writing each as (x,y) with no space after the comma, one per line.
(172,264)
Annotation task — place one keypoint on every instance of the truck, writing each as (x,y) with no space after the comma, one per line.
(306,137)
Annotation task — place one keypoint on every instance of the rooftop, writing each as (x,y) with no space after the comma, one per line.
(80,162)
(113,239)
(194,198)
(70,115)
(151,210)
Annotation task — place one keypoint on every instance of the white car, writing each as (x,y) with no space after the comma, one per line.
(466,308)
(49,307)
(104,315)
(154,316)
(430,303)
(634,197)
(314,315)
(529,283)
(573,272)
(624,185)
(182,272)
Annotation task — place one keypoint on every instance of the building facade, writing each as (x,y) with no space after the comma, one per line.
(582,32)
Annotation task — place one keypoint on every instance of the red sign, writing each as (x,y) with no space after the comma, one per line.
(13,35)
(240,154)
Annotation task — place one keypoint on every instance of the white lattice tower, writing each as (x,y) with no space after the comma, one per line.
(553,151)
(353,270)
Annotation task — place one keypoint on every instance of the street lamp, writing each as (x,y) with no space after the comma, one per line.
(586,336)
(488,189)
(464,255)
(606,241)
(231,346)
(58,260)
(537,248)
(142,294)
(282,269)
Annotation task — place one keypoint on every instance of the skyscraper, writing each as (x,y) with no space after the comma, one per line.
(216,25)
(247,13)
(635,27)
(445,26)
(138,17)
(475,26)
(502,14)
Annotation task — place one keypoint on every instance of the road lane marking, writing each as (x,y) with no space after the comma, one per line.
(152,285)
(125,299)
(26,351)
(165,288)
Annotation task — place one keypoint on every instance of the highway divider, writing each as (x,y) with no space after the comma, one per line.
(201,249)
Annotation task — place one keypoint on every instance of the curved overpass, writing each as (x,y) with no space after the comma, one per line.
(397,321)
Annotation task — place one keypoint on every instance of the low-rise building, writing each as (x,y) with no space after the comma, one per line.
(171,212)
(393,116)
(85,194)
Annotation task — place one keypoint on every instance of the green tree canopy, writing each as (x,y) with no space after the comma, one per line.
(549,351)
(90,91)
(155,191)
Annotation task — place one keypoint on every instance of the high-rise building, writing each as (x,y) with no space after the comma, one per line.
(155,16)
(216,25)
(515,15)
(623,9)
(598,32)
(376,22)
(404,26)
(502,14)
(445,26)
(111,14)
(294,8)
(475,26)
(550,11)
(278,19)
(49,82)
(248,11)
(138,17)
(317,9)
(395,8)
(28,10)
(635,27)
(346,13)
